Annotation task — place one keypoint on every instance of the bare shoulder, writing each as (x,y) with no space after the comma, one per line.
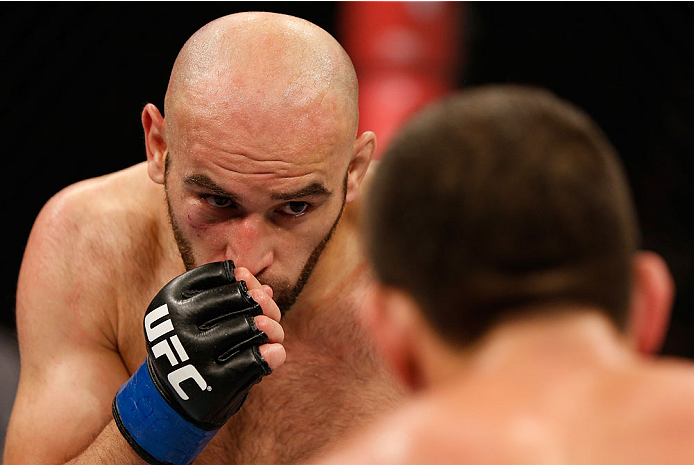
(389,441)
(447,427)
(419,432)
(79,264)
(87,237)
(668,387)
(99,217)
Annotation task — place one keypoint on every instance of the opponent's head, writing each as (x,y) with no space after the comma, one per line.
(503,200)
(259,149)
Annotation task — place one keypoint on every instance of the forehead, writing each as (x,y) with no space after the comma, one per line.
(260,129)
(269,150)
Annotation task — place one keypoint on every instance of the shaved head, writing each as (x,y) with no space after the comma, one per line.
(264,68)
(258,149)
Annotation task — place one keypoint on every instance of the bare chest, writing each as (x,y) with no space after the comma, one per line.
(134,297)
(331,384)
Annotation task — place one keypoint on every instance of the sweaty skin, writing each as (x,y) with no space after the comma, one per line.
(561,391)
(261,106)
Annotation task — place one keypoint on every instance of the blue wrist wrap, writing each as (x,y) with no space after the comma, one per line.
(153,425)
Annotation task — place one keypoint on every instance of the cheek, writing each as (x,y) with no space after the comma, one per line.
(195,217)
(196,223)
(198,229)
(185,210)
(316,229)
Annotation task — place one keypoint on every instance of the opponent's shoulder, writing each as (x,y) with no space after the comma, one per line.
(387,442)
(419,432)
(467,422)
(667,387)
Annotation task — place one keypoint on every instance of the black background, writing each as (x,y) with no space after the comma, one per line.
(76,76)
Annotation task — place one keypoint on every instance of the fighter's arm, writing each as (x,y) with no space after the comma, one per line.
(145,415)
(70,366)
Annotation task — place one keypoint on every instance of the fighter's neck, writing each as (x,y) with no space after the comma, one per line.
(567,343)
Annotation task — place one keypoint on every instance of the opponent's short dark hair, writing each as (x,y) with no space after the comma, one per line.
(500,199)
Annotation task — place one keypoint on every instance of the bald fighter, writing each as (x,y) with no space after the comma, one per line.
(149,300)
(512,299)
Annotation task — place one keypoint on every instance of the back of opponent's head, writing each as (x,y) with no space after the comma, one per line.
(499,200)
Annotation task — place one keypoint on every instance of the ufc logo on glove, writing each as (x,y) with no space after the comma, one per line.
(199,327)
(179,375)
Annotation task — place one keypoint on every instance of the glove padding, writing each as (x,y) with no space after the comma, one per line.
(202,357)
(214,331)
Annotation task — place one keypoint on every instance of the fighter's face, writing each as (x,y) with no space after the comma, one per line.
(268,203)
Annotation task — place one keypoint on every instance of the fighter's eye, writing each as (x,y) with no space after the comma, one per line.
(218,201)
(294,208)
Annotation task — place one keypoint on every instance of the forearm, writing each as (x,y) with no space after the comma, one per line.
(197,373)
(110,447)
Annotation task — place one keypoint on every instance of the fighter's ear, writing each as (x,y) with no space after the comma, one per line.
(389,317)
(362,152)
(155,142)
(652,295)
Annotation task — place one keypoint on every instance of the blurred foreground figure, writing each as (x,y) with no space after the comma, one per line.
(512,298)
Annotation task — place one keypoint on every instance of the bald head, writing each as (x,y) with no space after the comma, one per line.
(264,66)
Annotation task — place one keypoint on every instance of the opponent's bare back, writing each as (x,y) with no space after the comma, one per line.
(543,353)
(530,394)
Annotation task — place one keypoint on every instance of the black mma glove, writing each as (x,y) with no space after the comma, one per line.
(202,359)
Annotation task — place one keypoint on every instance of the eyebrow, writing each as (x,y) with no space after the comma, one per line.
(312,190)
(204,181)
(201,180)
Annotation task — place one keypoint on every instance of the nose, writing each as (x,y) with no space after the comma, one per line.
(250,243)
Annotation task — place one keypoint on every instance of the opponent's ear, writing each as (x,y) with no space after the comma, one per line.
(155,142)
(653,291)
(362,152)
(389,318)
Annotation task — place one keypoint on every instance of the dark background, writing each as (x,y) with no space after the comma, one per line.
(76,76)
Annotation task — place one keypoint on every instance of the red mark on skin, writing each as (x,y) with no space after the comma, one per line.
(196,225)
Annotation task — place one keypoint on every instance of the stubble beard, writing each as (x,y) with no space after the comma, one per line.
(284,294)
